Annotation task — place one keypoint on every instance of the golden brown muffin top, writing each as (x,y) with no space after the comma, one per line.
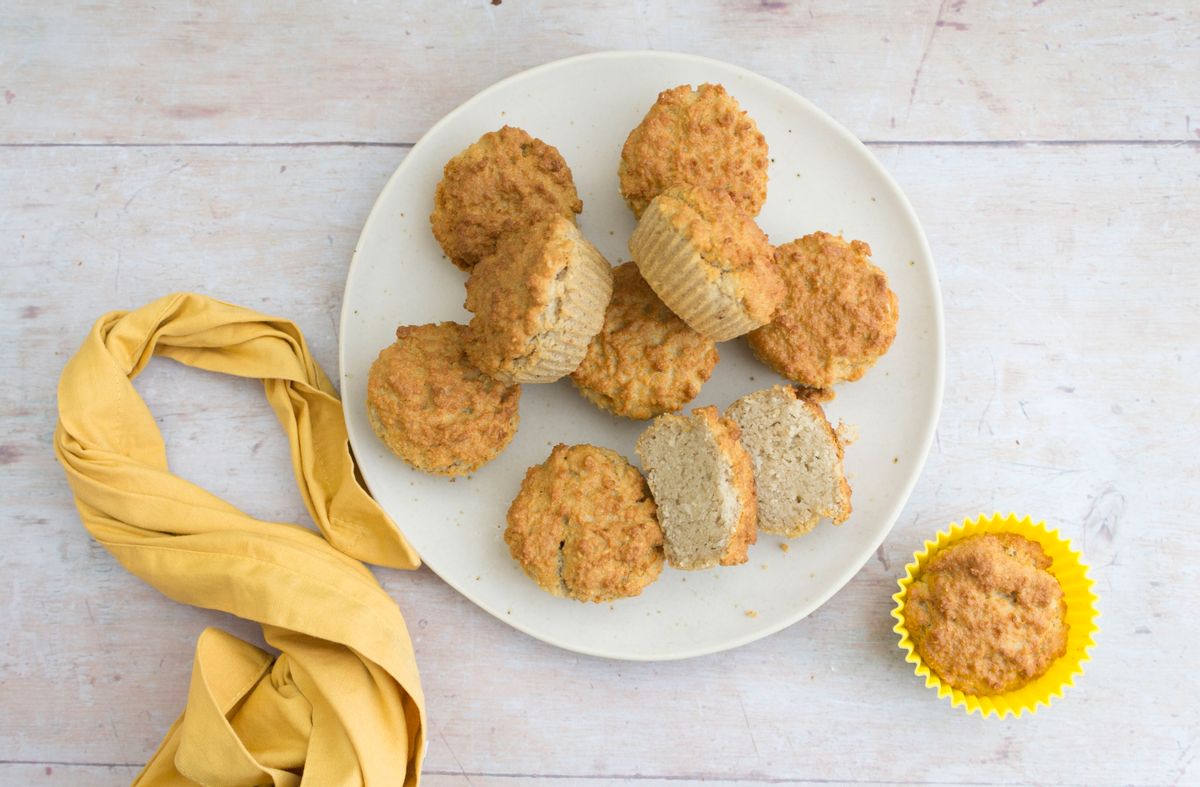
(728,436)
(729,242)
(986,615)
(508,293)
(501,183)
(645,360)
(696,138)
(838,316)
(584,525)
(435,410)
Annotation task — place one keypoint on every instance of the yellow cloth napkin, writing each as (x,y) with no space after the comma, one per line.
(342,703)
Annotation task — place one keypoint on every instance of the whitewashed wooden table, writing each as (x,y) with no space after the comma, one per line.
(1052,151)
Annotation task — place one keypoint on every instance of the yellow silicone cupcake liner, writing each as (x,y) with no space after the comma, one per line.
(1077,594)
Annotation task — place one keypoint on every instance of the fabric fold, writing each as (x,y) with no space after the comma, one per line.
(342,703)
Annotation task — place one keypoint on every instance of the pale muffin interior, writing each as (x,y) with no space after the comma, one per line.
(797,461)
(692,483)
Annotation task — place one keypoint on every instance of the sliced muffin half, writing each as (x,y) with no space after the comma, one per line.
(797,460)
(703,482)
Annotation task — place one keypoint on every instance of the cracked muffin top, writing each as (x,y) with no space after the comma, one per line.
(646,360)
(434,409)
(584,525)
(698,137)
(536,303)
(986,615)
(838,315)
(499,184)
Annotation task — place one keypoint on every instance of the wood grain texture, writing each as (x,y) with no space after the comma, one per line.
(1072,303)
(62,775)
(377,71)
(1071,316)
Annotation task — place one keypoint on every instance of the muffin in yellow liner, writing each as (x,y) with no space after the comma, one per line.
(1080,602)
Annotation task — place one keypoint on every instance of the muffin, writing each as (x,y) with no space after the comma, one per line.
(645,361)
(584,526)
(432,408)
(837,318)
(986,615)
(501,183)
(537,303)
(695,138)
(797,459)
(703,482)
(709,262)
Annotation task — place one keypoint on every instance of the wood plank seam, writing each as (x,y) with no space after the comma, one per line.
(959,143)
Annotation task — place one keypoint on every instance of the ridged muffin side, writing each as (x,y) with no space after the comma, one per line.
(710,263)
(537,303)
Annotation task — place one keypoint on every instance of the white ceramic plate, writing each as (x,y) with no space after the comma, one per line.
(821,178)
